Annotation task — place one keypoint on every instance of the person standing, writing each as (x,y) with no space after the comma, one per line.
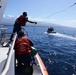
(20,21)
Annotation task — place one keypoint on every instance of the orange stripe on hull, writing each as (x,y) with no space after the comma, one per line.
(43,68)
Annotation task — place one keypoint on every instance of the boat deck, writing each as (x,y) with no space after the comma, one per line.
(7,61)
(19,70)
(36,69)
(3,56)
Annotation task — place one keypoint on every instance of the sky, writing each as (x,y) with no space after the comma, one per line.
(52,11)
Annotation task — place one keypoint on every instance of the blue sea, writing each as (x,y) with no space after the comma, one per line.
(58,51)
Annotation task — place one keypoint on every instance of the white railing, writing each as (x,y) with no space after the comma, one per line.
(7,65)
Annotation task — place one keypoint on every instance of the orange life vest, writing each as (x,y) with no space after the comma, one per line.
(22,21)
(22,46)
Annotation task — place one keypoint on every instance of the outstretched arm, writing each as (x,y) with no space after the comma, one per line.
(32,22)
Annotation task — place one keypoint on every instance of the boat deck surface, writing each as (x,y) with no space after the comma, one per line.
(3,53)
(36,69)
(3,56)
(18,70)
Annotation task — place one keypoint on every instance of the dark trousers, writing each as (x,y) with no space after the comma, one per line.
(24,58)
(16,28)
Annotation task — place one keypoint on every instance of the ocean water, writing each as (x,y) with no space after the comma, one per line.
(58,51)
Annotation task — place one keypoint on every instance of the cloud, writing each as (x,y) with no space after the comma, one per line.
(36,19)
(10,19)
(70,23)
(9,16)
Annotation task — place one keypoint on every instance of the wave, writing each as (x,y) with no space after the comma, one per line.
(62,35)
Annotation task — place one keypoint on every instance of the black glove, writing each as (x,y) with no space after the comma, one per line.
(35,22)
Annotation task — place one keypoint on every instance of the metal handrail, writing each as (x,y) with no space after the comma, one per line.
(25,31)
(7,65)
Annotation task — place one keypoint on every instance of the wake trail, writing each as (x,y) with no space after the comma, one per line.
(62,35)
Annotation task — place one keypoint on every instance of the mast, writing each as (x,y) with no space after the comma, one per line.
(2,8)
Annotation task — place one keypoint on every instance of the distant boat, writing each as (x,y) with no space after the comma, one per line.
(7,54)
(51,30)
